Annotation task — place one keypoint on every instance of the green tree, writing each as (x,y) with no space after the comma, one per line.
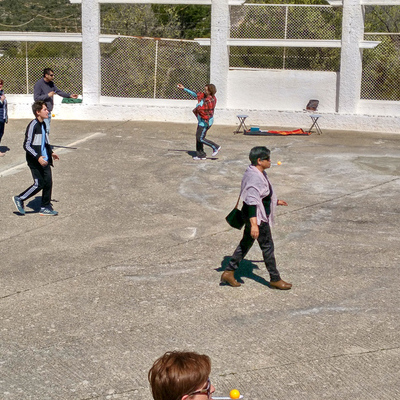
(381,65)
(178,22)
(129,20)
(190,21)
(40,16)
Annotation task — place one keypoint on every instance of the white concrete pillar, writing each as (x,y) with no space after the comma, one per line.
(351,57)
(219,62)
(91,66)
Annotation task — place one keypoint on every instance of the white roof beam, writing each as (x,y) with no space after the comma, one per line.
(339,3)
(49,37)
(171,2)
(365,44)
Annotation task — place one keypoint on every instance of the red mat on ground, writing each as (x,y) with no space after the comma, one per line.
(295,132)
(283,133)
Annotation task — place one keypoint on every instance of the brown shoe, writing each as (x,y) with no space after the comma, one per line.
(282,285)
(228,277)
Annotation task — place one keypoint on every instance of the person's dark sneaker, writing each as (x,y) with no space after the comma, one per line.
(19,204)
(199,158)
(216,151)
(48,211)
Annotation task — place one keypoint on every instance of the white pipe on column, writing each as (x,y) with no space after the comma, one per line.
(91,65)
(219,62)
(351,57)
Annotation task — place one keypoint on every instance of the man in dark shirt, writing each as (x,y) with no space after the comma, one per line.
(39,156)
(45,89)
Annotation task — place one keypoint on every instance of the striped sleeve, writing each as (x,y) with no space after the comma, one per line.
(29,138)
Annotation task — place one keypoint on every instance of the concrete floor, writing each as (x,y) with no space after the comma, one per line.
(131,266)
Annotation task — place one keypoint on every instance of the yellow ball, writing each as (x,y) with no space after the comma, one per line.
(279,162)
(53,115)
(234,394)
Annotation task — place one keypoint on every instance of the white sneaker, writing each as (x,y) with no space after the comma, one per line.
(199,158)
(216,151)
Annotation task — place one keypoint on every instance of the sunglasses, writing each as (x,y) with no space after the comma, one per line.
(206,390)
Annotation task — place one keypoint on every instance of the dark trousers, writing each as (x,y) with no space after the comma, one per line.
(267,247)
(2,123)
(201,141)
(42,180)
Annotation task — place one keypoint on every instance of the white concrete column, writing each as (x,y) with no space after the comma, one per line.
(219,63)
(91,66)
(351,57)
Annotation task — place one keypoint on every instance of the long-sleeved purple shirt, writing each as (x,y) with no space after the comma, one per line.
(41,92)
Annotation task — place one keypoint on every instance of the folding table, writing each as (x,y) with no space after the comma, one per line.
(242,124)
(314,119)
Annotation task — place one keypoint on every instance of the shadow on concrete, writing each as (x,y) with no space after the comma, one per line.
(193,153)
(245,270)
(4,149)
(34,205)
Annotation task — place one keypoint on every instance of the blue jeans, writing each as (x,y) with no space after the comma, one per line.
(47,122)
(201,141)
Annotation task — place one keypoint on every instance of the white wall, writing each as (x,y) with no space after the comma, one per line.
(180,111)
(283,90)
(379,107)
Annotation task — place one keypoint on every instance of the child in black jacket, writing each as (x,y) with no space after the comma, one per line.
(39,156)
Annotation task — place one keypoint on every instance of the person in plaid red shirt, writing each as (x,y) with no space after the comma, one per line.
(204,112)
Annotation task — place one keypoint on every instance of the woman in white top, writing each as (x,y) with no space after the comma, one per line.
(259,203)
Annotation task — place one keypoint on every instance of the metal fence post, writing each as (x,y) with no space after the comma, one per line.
(26,68)
(286,27)
(155,70)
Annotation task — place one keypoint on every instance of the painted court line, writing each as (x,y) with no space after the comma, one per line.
(18,167)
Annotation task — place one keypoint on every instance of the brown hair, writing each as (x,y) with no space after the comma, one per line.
(177,373)
(37,107)
(211,88)
(1,82)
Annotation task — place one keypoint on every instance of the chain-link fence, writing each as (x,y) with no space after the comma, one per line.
(381,65)
(289,21)
(151,68)
(381,68)
(130,67)
(265,21)
(21,65)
